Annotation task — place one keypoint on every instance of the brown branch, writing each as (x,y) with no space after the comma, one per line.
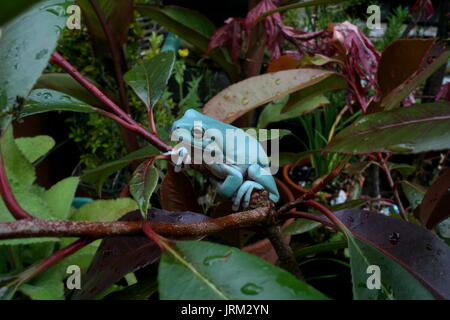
(284,252)
(60,228)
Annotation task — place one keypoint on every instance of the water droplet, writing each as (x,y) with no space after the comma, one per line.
(251,289)
(244,101)
(66,98)
(41,54)
(57,11)
(277,81)
(400,148)
(47,95)
(394,238)
(214,259)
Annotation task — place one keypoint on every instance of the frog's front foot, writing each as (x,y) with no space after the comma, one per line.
(180,158)
(244,193)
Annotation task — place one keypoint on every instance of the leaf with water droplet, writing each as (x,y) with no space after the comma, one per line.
(43,100)
(212,271)
(251,289)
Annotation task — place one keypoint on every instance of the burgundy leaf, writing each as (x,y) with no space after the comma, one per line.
(419,251)
(426,5)
(361,62)
(436,202)
(118,256)
(444,92)
(177,192)
(230,33)
(400,60)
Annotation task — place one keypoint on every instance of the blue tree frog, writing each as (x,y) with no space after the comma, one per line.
(236,161)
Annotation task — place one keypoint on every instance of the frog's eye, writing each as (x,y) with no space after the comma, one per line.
(197,132)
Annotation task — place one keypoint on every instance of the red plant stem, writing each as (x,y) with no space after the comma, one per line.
(63,63)
(115,52)
(393,187)
(310,216)
(151,120)
(152,235)
(8,196)
(54,259)
(156,141)
(330,215)
(117,56)
(116,118)
(335,172)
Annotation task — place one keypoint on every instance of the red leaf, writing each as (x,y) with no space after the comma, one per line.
(426,5)
(177,192)
(436,202)
(284,62)
(230,33)
(118,256)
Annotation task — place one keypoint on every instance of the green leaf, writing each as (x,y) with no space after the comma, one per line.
(246,95)
(150,78)
(212,271)
(298,99)
(404,169)
(30,201)
(105,210)
(413,192)
(419,128)
(10,9)
(60,196)
(414,263)
(142,185)
(42,100)
(272,112)
(99,175)
(49,286)
(34,148)
(397,283)
(63,82)
(192,27)
(300,226)
(321,247)
(139,291)
(118,14)
(26,45)
(17,165)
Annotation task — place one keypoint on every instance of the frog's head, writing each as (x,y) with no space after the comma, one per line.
(197,129)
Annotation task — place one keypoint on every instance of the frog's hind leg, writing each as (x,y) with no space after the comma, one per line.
(244,192)
(263,177)
(233,179)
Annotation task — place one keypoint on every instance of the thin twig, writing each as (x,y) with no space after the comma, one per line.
(117,57)
(393,187)
(311,193)
(156,141)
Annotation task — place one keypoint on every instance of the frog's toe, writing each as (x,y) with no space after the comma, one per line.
(244,193)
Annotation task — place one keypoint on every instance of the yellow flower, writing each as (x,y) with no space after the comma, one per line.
(183,52)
